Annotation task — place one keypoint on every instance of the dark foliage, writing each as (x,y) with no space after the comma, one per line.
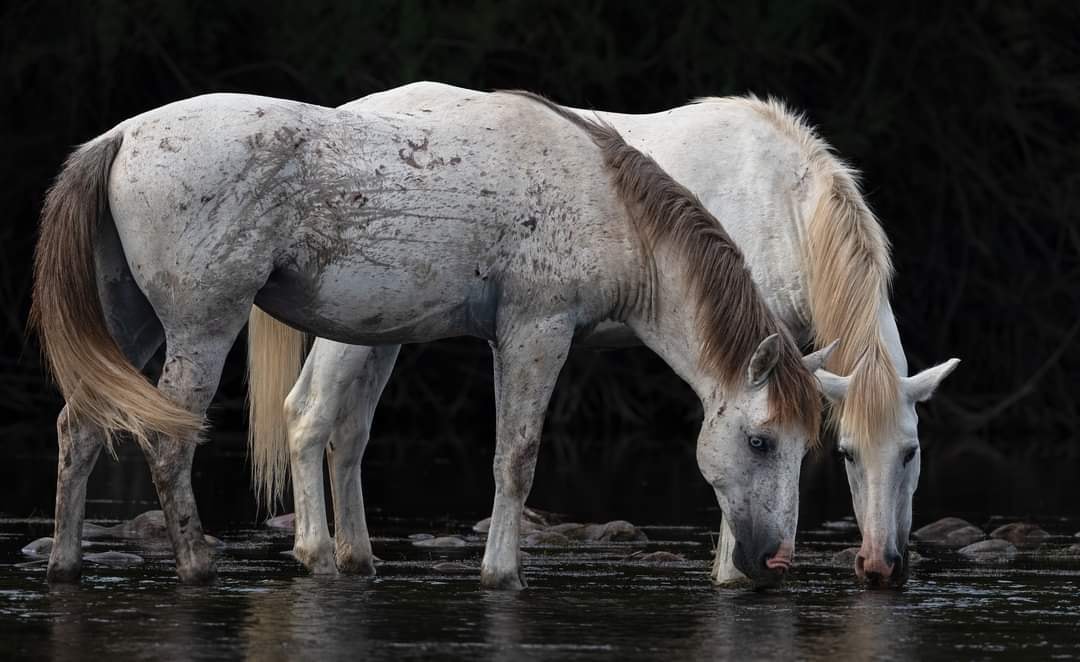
(960,115)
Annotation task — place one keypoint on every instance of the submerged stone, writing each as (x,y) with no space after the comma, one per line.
(38,548)
(847,524)
(614,531)
(989,551)
(846,557)
(571,530)
(531,520)
(284,522)
(1021,534)
(949,532)
(452,567)
(441,541)
(547,538)
(114,559)
(655,557)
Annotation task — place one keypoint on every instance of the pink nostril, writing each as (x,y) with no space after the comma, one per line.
(778,563)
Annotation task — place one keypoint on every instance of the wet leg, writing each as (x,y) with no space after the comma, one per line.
(527,364)
(724,572)
(348,442)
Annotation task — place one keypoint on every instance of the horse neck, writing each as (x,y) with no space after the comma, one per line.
(665,321)
(891,335)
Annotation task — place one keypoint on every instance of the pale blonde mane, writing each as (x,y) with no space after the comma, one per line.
(849,274)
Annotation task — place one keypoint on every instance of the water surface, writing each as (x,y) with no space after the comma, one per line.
(584,602)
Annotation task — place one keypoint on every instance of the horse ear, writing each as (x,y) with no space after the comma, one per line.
(921,386)
(817,360)
(833,387)
(763,361)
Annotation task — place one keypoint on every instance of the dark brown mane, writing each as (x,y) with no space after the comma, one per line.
(731,315)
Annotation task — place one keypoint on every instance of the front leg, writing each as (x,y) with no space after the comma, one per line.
(527,364)
(724,572)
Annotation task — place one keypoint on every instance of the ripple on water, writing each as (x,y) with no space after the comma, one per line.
(584,601)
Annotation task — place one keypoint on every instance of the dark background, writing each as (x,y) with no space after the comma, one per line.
(960,115)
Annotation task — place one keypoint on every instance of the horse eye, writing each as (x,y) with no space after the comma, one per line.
(759,444)
(844,454)
(909,457)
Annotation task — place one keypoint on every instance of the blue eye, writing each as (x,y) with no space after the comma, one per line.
(759,443)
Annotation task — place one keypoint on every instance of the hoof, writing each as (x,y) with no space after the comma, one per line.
(317,561)
(512,581)
(58,574)
(356,565)
(196,575)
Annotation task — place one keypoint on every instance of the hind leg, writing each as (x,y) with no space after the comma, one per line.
(334,398)
(351,541)
(80,446)
(138,333)
(194,358)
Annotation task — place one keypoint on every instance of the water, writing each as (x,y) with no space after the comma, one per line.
(584,602)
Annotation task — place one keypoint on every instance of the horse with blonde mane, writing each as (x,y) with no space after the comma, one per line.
(815,249)
(525,225)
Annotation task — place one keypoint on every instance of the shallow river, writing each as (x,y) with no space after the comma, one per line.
(584,602)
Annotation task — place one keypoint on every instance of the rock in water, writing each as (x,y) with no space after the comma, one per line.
(546,538)
(40,548)
(622,531)
(846,557)
(114,559)
(1021,534)
(655,557)
(91,531)
(145,526)
(452,567)
(949,532)
(846,524)
(989,551)
(531,520)
(441,541)
(286,522)
(571,530)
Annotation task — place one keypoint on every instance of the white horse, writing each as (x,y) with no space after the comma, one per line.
(816,251)
(514,225)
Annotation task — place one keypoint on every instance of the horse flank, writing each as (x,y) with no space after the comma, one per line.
(96,378)
(731,316)
(849,276)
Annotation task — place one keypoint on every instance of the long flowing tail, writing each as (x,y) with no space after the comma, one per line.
(275,358)
(97,380)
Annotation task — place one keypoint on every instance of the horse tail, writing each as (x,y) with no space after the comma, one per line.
(98,381)
(275,358)
(850,271)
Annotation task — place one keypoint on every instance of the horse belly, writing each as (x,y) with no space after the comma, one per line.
(359,301)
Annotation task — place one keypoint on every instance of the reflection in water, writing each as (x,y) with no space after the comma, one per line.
(503,624)
(308,614)
(584,603)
